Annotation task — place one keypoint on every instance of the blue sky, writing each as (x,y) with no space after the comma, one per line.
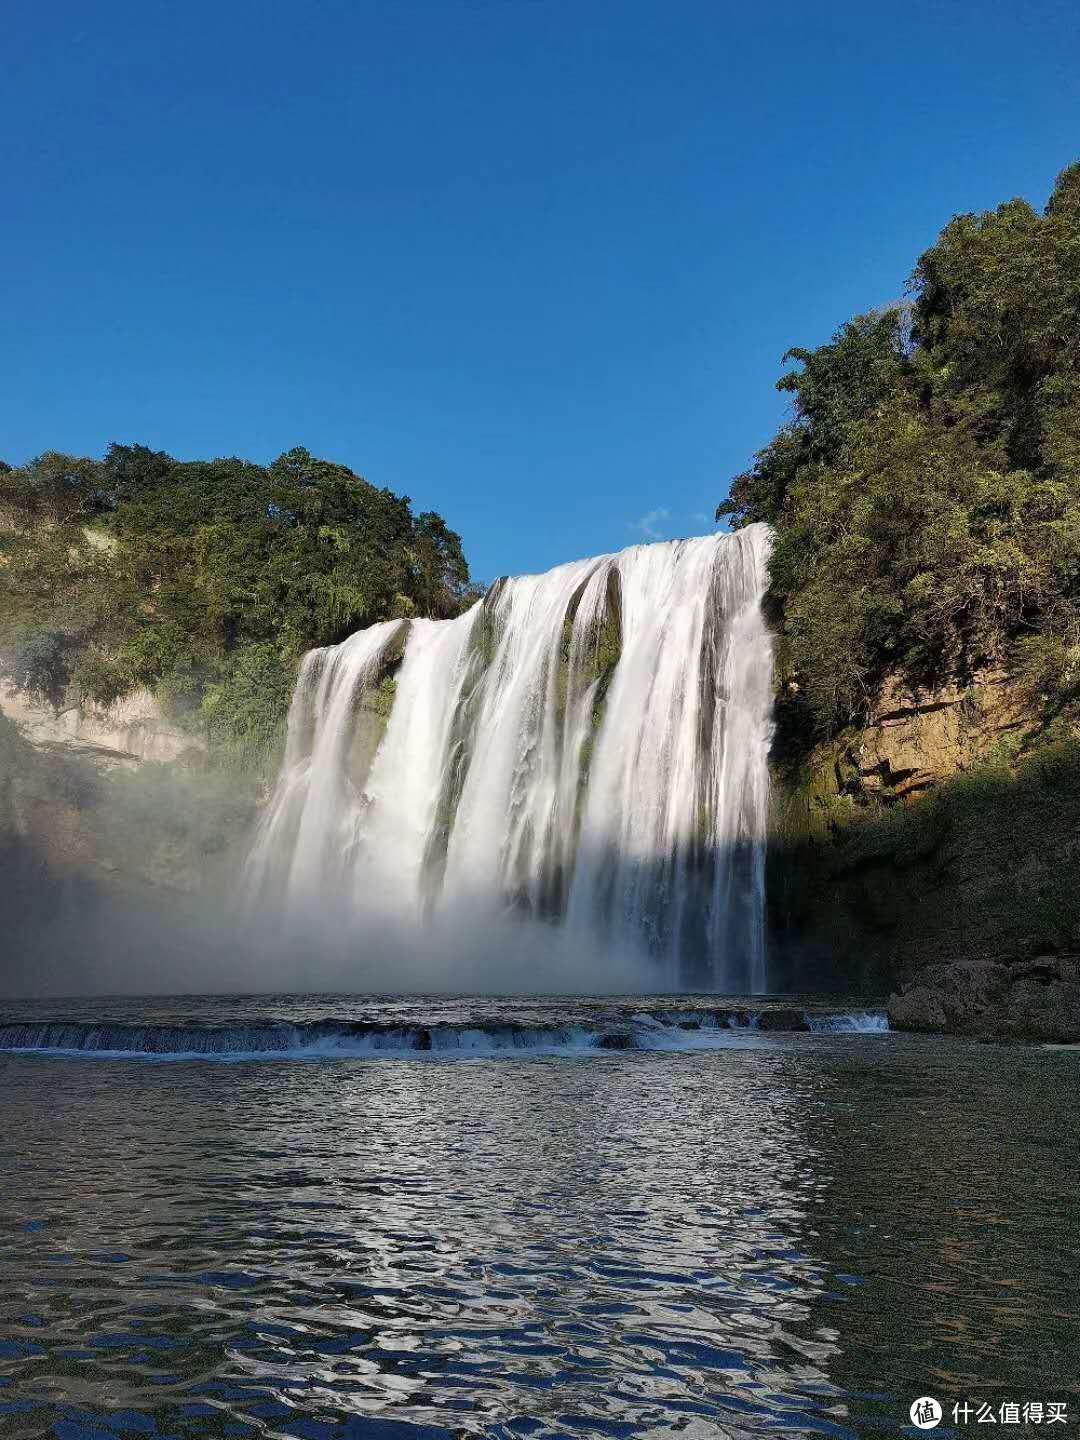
(533,263)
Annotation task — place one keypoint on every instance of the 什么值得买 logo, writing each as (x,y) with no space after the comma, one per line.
(925,1412)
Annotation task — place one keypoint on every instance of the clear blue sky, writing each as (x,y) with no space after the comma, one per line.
(533,262)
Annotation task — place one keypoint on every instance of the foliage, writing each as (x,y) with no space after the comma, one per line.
(248,706)
(926,490)
(39,663)
(205,581)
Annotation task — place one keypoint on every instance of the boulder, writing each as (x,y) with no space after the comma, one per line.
(1036,999)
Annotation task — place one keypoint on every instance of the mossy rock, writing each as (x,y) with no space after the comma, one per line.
(986,863)
(373,702)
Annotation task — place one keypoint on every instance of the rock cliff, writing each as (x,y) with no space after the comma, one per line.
(129,730)
(945,829)
(104,799)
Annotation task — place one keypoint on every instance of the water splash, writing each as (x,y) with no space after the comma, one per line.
(859,1022)
(579,1031)
(586,747)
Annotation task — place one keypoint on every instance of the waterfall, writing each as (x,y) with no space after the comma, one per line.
(586,747)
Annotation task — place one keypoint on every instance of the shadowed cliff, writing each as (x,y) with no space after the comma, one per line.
(864,885)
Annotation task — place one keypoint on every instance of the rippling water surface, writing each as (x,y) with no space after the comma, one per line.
(776,1234)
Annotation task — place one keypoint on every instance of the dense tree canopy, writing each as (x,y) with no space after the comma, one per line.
(204,581)
(926,490)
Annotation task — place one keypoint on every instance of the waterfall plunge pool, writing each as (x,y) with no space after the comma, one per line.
(781,1233)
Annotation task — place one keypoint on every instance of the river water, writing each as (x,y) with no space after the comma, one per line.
(738,1233)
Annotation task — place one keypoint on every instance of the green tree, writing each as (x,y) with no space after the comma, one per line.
(926,490)
(205,581)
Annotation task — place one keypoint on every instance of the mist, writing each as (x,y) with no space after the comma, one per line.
(122,879)
(103,944)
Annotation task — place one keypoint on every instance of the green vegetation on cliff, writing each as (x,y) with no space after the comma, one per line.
(926,491)
(204,581)
(925,587)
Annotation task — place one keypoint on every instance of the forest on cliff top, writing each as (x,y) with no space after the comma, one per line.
(204,582)
(925,491)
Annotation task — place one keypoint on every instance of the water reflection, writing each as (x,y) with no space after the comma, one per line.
(953,1227)
(778,1238)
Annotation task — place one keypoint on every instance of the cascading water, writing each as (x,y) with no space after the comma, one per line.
(587,747)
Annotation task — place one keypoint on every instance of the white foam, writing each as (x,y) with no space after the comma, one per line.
(858,1022)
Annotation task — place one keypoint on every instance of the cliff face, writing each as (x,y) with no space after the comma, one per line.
(943,830)
(119,874)
(129,730)
(100,801)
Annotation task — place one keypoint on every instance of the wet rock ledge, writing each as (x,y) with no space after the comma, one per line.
(1032,1000)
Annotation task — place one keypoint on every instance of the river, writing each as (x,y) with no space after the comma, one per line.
(728,1232)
